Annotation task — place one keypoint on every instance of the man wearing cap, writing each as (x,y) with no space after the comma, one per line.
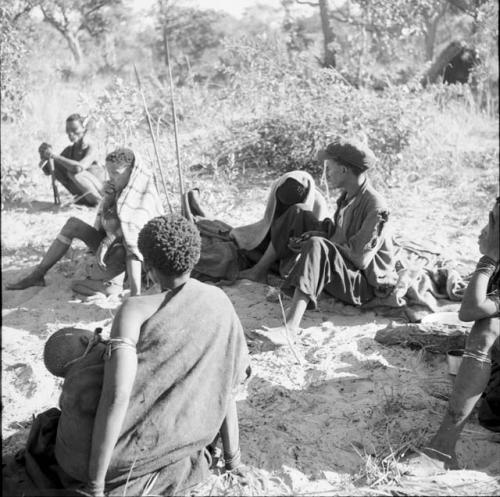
(350,257)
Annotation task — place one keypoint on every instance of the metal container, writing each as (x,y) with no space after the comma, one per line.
(454,358)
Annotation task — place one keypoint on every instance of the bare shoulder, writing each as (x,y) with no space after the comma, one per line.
(141,306)
(144,302)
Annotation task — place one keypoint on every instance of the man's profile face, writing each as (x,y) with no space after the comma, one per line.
(335,173)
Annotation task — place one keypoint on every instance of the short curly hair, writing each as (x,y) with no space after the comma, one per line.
(171,244)
(121,156)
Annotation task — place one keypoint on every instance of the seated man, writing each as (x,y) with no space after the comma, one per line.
(350,257)
(481,304)
(143,408)
(76,168)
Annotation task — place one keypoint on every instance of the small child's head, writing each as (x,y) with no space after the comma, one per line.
(170,244)
(75,127)
(119,165)
(63,347)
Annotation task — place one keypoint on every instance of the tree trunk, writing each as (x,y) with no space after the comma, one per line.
(430,32)
(430,39)
(329,59)
(74,46)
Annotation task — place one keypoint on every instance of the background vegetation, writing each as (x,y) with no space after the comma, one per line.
(256,94)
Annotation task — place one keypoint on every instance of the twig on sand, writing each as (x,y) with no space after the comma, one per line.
(74,200)
(299,358)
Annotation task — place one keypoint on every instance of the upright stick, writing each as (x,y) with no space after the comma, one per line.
(177,152)
(57,200)
(148,117)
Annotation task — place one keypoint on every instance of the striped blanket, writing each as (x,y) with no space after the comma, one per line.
(137,204)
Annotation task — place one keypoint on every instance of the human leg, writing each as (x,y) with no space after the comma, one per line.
(106,281)
(470,383)
(74,228)
(65,178)
(259,271)
(293,222)
(320,267)
(88,185)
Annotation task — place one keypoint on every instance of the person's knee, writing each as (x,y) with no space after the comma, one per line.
(314,246)
(72,227)
(483,336)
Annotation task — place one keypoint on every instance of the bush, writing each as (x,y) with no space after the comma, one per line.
(12,54)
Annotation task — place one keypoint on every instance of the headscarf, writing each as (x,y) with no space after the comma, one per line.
(250,236)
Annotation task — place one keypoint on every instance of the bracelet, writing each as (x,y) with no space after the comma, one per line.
(232,461)
(95,488)
(486,265)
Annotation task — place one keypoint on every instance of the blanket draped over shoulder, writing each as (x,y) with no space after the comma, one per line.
(137,204)
(249,236)
(221,244)
(191,354)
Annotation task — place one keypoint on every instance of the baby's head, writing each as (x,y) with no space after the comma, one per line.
(63,347)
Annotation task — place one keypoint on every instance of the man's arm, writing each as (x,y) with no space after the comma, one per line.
(362,247)
(134,272)
(75,166)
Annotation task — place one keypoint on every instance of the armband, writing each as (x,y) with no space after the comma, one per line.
(486,265)
(232,461)
(118,343)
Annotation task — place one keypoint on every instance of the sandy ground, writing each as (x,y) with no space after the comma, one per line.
(321,427)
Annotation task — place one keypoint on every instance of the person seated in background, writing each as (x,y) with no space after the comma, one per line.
(120,430)
(481,304)
(295,188)
(351,256)
(130,200)
(76,168)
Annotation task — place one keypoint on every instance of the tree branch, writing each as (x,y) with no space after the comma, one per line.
(461,5)
(306,2)
(26,9)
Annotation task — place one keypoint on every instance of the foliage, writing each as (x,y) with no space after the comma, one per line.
(116,112)
(13,66)
(291,109)
(17,183)
(75,19)
(193,37)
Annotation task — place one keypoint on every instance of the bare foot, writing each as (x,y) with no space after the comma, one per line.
(253,275)
(30,280)
(428,462)
(277,335)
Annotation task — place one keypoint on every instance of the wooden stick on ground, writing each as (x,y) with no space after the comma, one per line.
(289,340)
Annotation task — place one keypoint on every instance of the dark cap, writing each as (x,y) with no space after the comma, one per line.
(349,153)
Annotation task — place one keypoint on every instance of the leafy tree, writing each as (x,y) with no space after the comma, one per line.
(191,34)
(329,38)
(73,19)
(13,70)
